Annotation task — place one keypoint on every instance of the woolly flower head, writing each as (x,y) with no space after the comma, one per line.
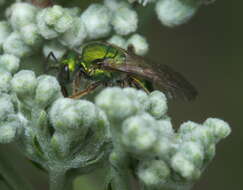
(176,12)
(97,21)
(143,129)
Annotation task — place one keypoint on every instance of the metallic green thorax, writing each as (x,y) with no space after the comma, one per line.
(98,52)
(91,55)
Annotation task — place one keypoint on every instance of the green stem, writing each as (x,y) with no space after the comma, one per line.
(119,160)
(57,180)
(11,176)
(120,179)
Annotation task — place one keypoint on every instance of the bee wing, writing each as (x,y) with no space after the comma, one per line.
(174,84)
(162,77)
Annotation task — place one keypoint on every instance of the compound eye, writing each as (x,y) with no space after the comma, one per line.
(66,68)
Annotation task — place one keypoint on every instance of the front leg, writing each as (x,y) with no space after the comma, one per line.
(47,67)
(76,83)
(77,79)
(86,91)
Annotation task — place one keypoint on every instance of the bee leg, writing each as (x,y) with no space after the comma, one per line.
(125,83)
(119,83)
(131,83)
(47,67)
(105,84)
(64,91)
(76,83)
(138,84)
(86,91)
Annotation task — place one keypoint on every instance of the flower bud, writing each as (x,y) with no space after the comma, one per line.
(191,131)
(139,44)
(22,14)
(96,19)
(157,104)
(184,167)
(138,95)
(193,152)
(164,147)
(125,21)
(116,104)
(47,90)
(68,114)
(30,35)
(16,46)
(165,127)
(24,83)
(44,29)
(220,128)
(118,41)
(6,105)
(188,127)
(5,79)
(64,23)
(8,132)
(9,62)
(139,133)
(153,173)
(53,14)
(176,12)
(75,36)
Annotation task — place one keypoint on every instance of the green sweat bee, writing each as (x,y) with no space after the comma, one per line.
(108,65)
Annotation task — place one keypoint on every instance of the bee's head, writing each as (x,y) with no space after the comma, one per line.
(70,64)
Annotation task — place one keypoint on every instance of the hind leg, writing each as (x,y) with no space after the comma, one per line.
(137,83)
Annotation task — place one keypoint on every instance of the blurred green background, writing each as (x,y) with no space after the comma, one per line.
(207,51)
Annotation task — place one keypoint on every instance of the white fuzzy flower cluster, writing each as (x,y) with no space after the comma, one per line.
(165,158)
(28,27)
(138,42)
(61,133)
(11,122)
(176,12)
(58,133)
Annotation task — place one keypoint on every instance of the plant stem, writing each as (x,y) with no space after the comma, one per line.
(57,180)
(119,164)
(120,179)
